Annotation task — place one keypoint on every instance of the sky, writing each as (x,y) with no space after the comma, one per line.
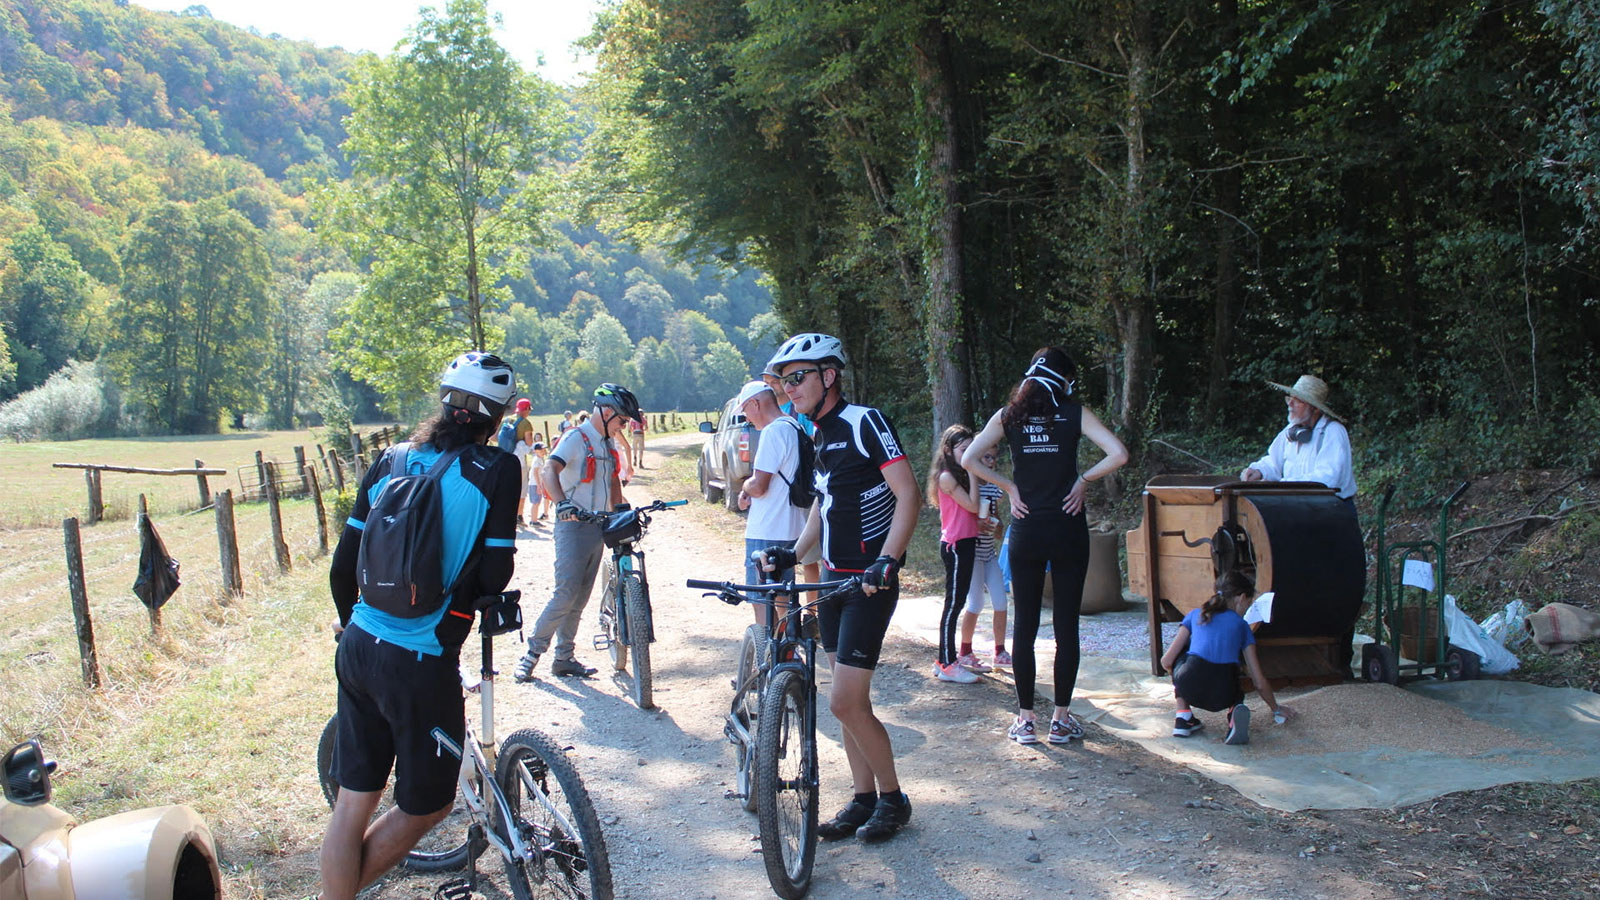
(529,28)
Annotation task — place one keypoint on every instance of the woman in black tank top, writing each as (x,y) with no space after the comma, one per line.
(1043,424)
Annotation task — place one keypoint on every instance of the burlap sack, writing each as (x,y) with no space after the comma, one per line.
(1558,627)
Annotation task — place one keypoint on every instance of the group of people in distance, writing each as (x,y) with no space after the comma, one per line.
(398,678)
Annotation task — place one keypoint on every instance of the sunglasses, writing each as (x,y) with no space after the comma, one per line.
(797,377)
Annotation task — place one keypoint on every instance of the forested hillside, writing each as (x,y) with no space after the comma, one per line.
(170,253)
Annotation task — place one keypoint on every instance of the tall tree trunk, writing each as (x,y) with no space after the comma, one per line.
(1228,186)
(474,301)
(947,346)
(1133,300)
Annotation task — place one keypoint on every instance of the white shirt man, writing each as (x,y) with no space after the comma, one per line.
(1314,446)
(772,519)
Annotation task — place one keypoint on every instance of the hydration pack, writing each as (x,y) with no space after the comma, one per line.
(400,567)
(506,438)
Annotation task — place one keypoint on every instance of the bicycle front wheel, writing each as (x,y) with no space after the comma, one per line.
(551,812)
(747,681)
(786,785)
(639,630)
(443,849)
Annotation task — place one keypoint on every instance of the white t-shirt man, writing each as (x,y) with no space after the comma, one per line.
(772,517)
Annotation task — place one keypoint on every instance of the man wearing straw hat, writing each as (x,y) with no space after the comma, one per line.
(1313,447)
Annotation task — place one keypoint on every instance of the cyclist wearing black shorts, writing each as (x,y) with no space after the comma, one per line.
(866,510)
(399,678)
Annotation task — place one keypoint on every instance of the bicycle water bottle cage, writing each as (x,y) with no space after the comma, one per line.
(621,528)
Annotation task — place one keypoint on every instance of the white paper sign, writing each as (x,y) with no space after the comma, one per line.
(1260,610)
(1418,573)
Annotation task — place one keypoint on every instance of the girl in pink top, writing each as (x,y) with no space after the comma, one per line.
(951,488)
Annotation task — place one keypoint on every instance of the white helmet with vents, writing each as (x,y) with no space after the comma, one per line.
(808,347)
(480,383)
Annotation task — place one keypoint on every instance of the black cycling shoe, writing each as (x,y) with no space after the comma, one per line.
(886,821)
(571,667)
(845,822)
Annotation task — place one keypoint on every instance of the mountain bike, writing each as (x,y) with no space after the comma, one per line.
(776,688)
(525,800)
(626,620)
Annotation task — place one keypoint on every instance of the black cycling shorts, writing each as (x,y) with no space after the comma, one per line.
(389,702)
(853,624)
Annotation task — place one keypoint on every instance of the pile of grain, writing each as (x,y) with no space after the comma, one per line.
(1357,717)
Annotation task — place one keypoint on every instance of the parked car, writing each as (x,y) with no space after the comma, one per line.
(725,458)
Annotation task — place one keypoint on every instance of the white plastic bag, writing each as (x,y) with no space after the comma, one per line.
(1509,626)
(1467,635)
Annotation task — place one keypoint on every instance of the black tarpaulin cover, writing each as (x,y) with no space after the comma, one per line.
(158,572)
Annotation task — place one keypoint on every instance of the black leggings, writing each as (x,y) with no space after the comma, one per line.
(1062,543)
(958,558)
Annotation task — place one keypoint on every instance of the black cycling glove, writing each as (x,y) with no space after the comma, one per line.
(566,511)
(883,573)
(779,558)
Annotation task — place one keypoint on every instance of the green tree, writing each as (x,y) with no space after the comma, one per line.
(660,371)
(193,318)
(44,301)
(606,344)
(719,374)
(449,147)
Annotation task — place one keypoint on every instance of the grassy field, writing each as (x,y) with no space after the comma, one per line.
(41,496)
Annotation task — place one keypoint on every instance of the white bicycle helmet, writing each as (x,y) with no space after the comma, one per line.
(808,347)
(480,383)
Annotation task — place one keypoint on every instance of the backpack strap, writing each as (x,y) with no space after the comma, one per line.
(588,463)
(798,446)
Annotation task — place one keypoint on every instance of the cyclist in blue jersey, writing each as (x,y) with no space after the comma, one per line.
(399,678)
(867,509)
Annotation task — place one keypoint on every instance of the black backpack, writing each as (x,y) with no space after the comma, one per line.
(400,567)
(803,489)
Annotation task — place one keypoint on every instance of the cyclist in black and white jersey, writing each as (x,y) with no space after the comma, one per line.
(867,509)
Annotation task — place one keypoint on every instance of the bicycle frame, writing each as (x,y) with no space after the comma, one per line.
(481,767)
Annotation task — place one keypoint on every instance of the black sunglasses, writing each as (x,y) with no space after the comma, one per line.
(797,377)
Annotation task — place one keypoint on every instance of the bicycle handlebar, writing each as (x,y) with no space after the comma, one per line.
(733,594)
(594,515)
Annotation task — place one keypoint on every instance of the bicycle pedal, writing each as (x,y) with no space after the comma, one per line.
(459,889)
(602,642)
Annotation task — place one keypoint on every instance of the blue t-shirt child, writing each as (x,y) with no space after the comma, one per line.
(1220,640)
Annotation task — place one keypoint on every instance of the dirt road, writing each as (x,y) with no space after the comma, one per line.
(1097,819)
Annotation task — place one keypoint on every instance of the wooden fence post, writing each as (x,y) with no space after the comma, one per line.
(261,475)
(228,545)
(275,516)
(300,469)
(322,513)
(205,487)
(80,603)
(355,444)
(155,612)
(97,508)
(338,472)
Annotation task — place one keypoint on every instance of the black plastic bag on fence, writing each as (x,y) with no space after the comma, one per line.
(158,571)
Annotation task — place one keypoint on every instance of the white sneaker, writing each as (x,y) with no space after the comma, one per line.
(954,673)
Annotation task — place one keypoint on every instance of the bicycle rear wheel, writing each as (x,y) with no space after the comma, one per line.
(551,811)
(639,630)
(786,785)
(440,850)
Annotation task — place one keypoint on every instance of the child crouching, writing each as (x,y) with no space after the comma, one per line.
(1207,676)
